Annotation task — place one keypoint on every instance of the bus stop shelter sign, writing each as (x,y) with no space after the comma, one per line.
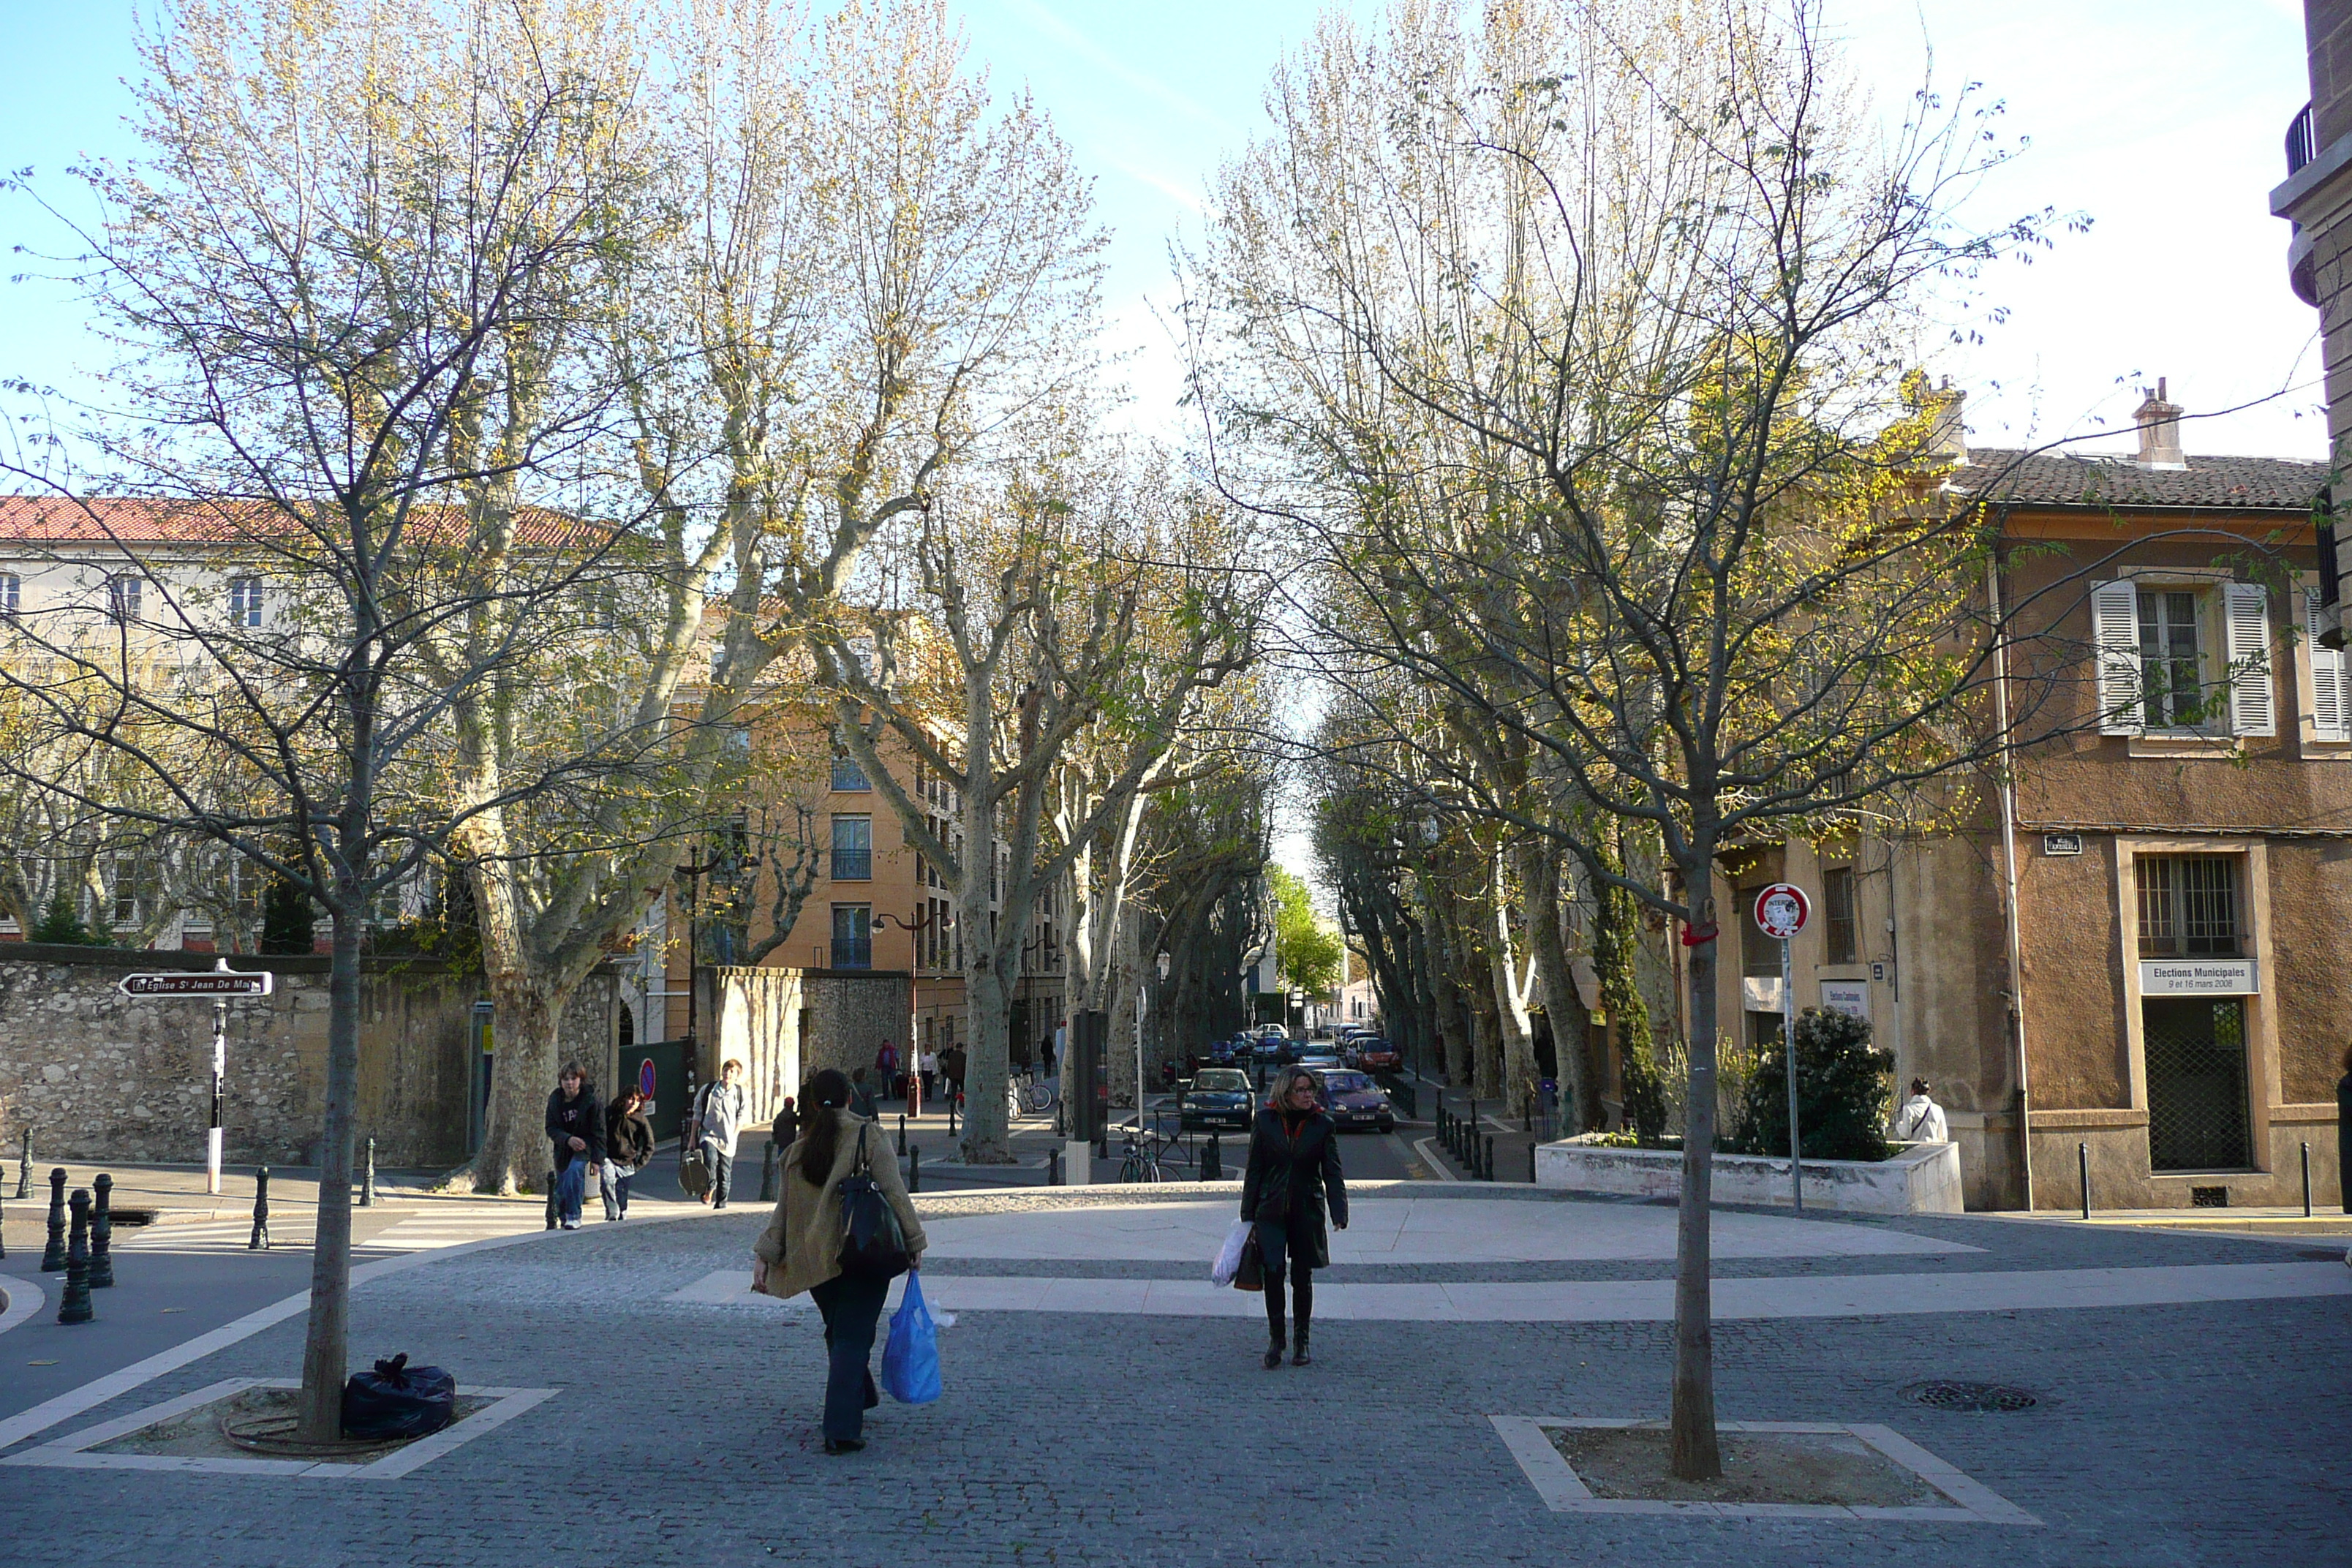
(211,985)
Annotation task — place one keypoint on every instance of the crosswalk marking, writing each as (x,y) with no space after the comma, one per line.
(411,1233)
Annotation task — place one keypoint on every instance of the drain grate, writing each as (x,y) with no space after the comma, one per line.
(1983,1398)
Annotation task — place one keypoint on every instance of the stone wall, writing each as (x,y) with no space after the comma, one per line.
(785,1024)
(100,1076)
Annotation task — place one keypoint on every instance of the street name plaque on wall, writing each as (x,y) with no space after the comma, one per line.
(2197,977)
(214,984)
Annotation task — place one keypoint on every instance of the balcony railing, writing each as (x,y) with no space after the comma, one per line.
(2299,150)
(848,776)
(853,865)
(852,952)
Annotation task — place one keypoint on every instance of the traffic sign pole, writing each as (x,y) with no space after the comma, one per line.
(218,985)
(1789,1049)
(220,1076)
(1780,912)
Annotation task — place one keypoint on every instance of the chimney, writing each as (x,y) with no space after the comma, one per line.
(2160,430)
(1948,439)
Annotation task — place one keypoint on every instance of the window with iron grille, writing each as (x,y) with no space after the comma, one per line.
(853,848)
(847,775)
(2188,906)
(1837,912)
(852,936)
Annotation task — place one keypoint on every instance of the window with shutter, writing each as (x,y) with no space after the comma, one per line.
(2115,627)
(2329,720)
(2246,615)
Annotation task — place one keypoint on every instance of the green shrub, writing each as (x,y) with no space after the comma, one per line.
(1842,1092)
(1645,1095)
(288,921)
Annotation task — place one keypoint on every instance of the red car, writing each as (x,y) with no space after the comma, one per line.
(1375,1055)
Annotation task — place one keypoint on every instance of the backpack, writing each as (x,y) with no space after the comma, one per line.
(872,1243)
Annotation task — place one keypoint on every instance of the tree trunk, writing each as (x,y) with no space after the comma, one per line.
(1486,1036)
(1572,1025)
(326,1346)
(987,1132)
(526,1014)
(1695,1456)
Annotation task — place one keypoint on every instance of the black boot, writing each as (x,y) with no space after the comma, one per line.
(1273,1349)
(1298,1356)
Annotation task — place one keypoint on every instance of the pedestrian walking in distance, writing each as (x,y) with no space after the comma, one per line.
(885,1069)
(1293,1176)
(786,1126)
(928,1065)
(628,1147)
(1920,1120)
(801,1248)
(861,1096)
(717,1123)
(575,1126)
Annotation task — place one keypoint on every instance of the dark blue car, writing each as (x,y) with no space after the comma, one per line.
(1218,1099)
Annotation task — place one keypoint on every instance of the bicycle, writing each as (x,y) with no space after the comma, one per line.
(1140,1163)
(1033,1097)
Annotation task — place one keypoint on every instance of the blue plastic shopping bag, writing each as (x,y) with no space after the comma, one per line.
(911,1361)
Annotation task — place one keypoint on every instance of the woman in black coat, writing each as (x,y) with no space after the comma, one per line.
(1294,1170)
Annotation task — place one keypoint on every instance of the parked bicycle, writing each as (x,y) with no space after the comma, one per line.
(1140,1163)
(1031,1095)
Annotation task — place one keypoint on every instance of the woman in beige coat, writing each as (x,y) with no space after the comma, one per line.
(801,1248)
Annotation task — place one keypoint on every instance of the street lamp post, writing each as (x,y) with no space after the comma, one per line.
(1142,1003)
(914,926)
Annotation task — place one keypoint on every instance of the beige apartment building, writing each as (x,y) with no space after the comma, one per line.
(2140,955)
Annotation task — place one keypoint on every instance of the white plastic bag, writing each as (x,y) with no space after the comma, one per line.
(1229,1256)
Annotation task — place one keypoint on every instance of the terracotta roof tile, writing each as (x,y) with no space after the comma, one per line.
(2100,481)
(139,519)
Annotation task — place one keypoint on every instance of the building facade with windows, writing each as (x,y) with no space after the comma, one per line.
(2140,956)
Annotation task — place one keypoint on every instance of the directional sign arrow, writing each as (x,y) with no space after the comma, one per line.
(197,984)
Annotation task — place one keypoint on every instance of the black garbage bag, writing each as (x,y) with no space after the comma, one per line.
(397,1400)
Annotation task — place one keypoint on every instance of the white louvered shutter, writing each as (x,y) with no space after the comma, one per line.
(2329,720)
(2246,614)
(2115,628)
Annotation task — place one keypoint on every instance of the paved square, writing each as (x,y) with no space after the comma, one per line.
(2173,1428)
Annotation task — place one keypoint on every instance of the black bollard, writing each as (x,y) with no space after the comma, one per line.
(261,1238)
(367,1178)
(1053,1167)
(53,1255)
(550,1195)
(914,1168)
(2307,1180)
(24,1169)
(74,1307)
(1487,1158)
(2083,1165)
(1212,1161)
(102,1234)
(902,1133)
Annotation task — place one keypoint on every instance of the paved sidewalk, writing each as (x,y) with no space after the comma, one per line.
(2187,1429)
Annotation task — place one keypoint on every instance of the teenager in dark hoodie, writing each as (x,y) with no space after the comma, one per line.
(575,1126)
(628,1145)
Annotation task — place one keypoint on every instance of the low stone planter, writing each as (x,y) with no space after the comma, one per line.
(1918,1178)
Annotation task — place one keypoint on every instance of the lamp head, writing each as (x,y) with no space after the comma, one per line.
(1163,966)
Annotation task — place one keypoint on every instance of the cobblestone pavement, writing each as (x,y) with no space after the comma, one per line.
(685,1433)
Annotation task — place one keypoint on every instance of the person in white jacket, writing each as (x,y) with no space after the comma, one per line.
(1921,1120)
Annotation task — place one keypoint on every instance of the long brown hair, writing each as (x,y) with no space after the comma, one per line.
(825,1093)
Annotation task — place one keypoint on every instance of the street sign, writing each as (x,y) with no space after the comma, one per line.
(213,985)
(1782,910)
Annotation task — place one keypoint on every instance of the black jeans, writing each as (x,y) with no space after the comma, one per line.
(851,1307)
(723,1173)
(1279,1246)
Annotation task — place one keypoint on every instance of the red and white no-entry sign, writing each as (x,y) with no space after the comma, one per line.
(1782,910)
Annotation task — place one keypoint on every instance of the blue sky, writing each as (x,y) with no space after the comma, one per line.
(2161,118)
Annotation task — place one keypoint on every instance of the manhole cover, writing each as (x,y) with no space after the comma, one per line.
(1976,1396)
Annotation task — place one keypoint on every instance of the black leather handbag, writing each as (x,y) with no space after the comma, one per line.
(872,1243)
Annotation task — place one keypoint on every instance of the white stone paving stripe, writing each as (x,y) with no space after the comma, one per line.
(24,1299)
(1652,1300)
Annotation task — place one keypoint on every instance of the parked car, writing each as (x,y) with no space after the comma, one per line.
(1317,1060)
(1216,1100)
(1355,1100)
(1374,1054)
